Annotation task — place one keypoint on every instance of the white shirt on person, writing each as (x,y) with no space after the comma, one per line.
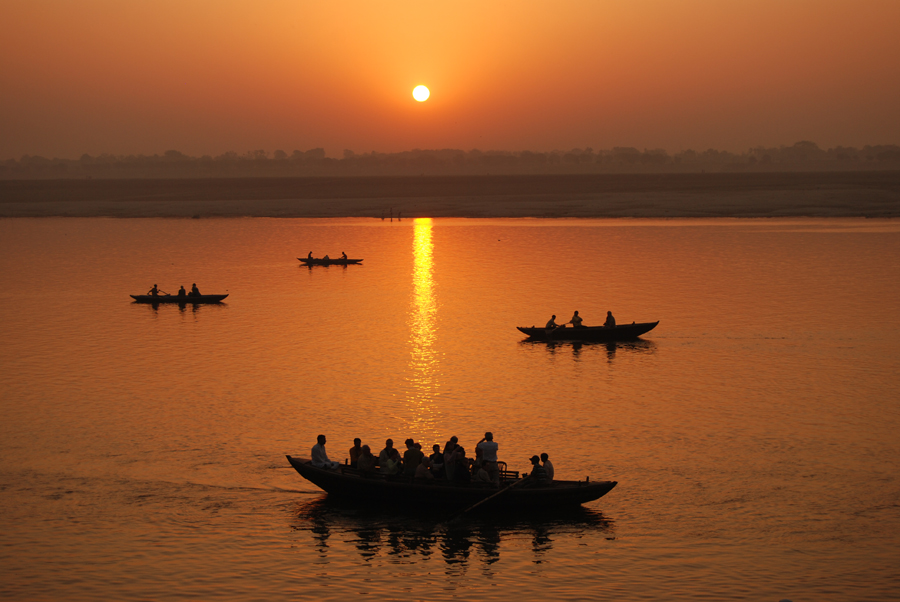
(548,466)
(488,450)
(320,458)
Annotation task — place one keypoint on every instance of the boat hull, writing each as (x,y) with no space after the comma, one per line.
(186,300)
(348,484)
(307,261)
(623,332)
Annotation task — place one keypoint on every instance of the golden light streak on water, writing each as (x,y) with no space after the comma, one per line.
(423,363)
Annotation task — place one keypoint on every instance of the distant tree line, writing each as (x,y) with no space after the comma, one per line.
(802,156)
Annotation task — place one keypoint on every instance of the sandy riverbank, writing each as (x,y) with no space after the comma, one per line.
(864,194)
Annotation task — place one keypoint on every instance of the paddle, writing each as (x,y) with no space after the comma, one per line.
(487,499)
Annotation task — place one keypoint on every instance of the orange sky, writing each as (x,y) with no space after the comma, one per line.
(209,76)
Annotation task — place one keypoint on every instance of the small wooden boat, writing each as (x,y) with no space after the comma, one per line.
(619,332)
(182,299)
(348,483)
(338,261)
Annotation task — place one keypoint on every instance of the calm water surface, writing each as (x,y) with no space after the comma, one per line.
(753,433)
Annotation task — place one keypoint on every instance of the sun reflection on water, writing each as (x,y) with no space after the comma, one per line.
(423,362)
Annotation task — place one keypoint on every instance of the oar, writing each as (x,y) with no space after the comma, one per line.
(487,499)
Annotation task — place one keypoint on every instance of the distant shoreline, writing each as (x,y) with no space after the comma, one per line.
(782,194)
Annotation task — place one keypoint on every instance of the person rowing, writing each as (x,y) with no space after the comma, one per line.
(153,292)
(343,255)
(575,321)
(310,255)
(551,324)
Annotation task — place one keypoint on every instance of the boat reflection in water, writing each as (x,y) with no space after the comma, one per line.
(376,532)
(638,347)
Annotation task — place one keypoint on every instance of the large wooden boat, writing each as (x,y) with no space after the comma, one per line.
(349,484)
(619,332)
(183,299)
(338,261)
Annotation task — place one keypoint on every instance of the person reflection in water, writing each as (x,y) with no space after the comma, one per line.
(575,321)
(551,324)
(355,451)
(610,320)
(319,457)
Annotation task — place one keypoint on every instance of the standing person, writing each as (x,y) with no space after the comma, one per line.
(385,453)
(450,458)
(355,451)
(319,457)
(412,457)
(575,321)
(610,320)
(488,449)
(548,465)
(551,324)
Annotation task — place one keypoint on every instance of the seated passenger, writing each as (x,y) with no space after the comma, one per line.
(575,321)
(195,292)
(366,461)
(181,292)
(411,458)
(552,323)
(310,255)
(482,475)
(422,471)
(393,465)
(437,461)
(326,258)
(386,452)
(343,255)
(319,457)
(610,320)
(462,470)
(538,473)
(548,466)
(355,451)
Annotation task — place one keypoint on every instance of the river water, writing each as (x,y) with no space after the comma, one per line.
(753,433)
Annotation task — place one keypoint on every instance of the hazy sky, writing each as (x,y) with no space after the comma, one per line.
(208,76)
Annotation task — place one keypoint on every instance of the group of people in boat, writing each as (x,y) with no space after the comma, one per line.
(195,292)
(326,258)
(450,464)
(577,320)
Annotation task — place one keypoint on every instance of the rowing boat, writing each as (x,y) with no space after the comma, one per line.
(182,299)
(619,332)
(338,261)
(347,483)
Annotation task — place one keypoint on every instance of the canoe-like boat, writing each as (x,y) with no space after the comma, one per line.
(338,261)
(184,300)
(619,332)
(346,483)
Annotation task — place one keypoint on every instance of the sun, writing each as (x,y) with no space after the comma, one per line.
(421,93)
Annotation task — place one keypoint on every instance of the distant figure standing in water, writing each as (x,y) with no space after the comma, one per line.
(153,292)
(319,457)
(552,323)
(575,321)
(610,320)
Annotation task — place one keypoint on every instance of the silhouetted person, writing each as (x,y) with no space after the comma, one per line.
(366,462)
(422,471)
(437,461)
(551,323)
(392,464)
(355,451)
(181,292)
(319,457)
(488,449)
(310,255)
(575,321)
(195,292)
(412,457)
(449,458)
(548,466)
(610,320)
(153,292)
(462,471)
(538,473)
(343,255)
(326,258)
(385,453)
